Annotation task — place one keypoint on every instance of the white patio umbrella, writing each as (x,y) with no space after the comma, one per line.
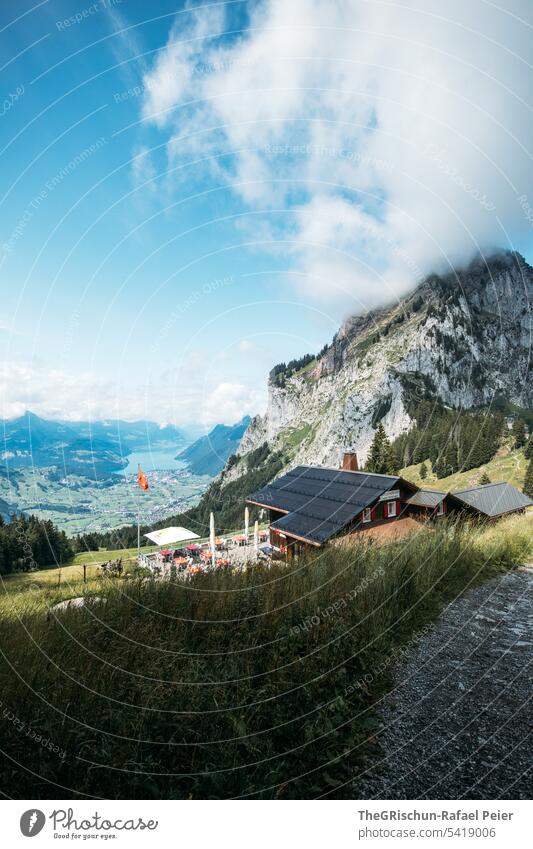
(212,538)
(246,523)
(256,539)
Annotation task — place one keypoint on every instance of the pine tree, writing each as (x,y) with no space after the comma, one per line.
(381,458)
(376,449)
(484,479)
(519,433)
(528,450)
(528,483)
(423,471)
(439,467)
(390,461)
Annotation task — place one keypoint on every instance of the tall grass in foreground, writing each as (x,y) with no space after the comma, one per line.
(261,683)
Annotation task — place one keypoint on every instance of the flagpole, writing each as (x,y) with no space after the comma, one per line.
(138,514)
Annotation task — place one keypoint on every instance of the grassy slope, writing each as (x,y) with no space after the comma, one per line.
(47,578)
(507,466)
(71,573)
(92,559)
(258,683)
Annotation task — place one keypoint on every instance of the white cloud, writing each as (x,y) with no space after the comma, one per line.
(228,402)
(400,137)
(177,68)
(246,347)
(143,168)
(54,393)
(126,45)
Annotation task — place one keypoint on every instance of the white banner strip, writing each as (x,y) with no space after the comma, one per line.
(267,824)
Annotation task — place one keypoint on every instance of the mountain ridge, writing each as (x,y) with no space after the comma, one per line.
(460,339)
(208,454)
(96,448)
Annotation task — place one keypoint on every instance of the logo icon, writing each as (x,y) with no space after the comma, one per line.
(32,822)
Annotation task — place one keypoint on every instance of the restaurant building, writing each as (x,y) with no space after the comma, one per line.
(311,505)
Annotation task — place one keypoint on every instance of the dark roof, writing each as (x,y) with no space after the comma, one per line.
(319,501)
(427,498)
(493,499)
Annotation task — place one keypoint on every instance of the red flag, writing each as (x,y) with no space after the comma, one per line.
(143,481)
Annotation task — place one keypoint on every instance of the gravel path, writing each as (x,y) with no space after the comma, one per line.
(458,722)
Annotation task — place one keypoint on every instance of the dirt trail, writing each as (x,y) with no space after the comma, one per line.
(458,722)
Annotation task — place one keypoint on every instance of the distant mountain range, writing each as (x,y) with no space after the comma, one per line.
(209,454)
(87,449)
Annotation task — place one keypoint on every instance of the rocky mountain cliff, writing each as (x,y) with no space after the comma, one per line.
(463,339)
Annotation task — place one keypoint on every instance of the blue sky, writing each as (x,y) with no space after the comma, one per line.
(191,194)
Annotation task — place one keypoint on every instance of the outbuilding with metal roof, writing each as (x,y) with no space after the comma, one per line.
(490,500)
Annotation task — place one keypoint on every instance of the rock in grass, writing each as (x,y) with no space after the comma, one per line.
(72,603)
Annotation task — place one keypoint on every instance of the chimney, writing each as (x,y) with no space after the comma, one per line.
(349,462)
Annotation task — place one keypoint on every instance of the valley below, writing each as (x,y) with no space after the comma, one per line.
(78,504)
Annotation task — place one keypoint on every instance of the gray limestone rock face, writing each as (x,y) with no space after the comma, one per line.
(464,338)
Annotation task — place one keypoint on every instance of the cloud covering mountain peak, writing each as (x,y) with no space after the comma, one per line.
(380,141)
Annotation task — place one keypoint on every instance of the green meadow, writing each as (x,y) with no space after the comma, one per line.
(263,683)
(508,465)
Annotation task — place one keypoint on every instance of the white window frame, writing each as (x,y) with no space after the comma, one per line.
(440,508)
(391,504)
(367,514)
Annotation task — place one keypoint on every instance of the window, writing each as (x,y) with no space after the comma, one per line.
(391,509)
(367,515)
(440,509)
